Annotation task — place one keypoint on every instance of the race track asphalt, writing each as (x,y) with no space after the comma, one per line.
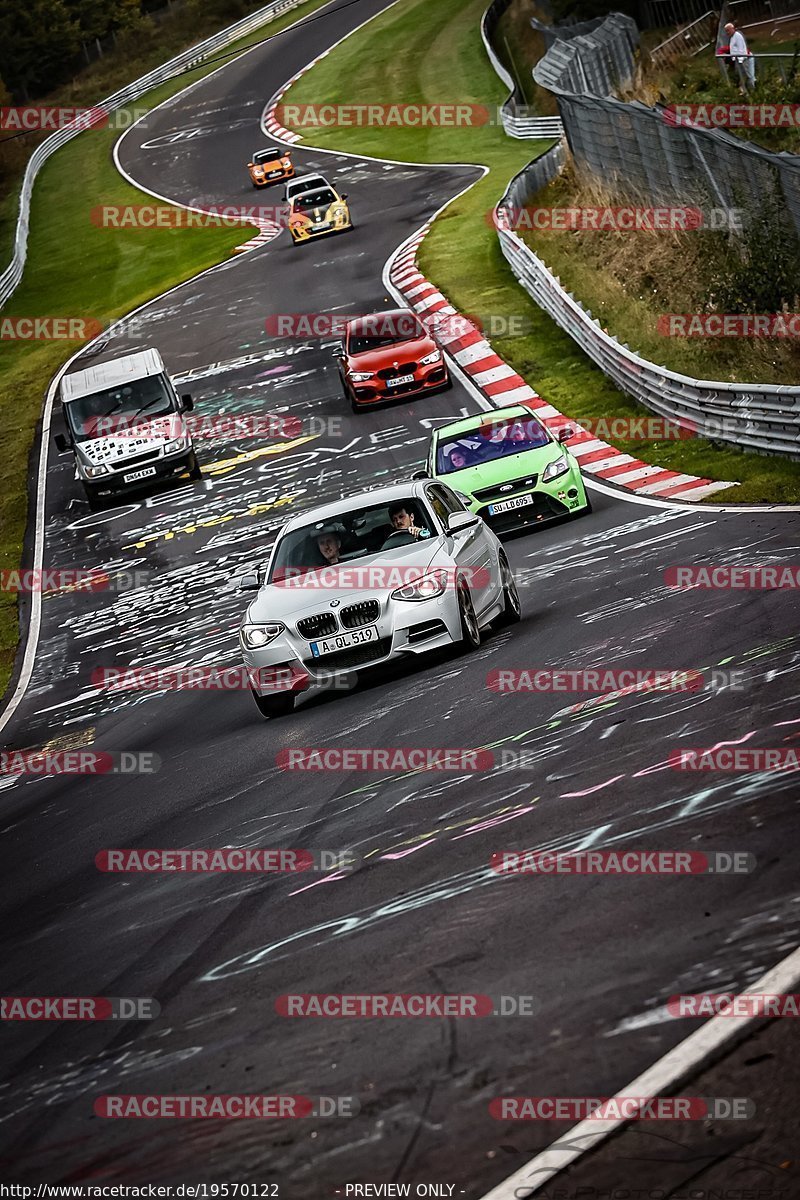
(423,912)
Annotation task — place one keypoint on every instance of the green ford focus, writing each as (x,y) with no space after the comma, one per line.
(510,468)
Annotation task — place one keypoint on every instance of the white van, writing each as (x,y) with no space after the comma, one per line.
(125,426)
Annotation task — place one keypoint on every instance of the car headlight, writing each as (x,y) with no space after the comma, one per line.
(255,636)
(427,587)
(96,472)
(180,443)
(559,466)
(431,358)
(361,376)
(287,162)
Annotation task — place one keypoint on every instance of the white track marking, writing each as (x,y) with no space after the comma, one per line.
(668,1072)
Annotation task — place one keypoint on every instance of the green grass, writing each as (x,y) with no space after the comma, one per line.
(443,60)
(76,269)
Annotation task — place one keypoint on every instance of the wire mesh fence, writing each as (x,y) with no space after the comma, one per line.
(640,151)
(648,156)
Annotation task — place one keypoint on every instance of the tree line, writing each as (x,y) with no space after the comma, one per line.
(42,41)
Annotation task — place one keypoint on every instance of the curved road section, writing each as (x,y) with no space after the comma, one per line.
(423,912)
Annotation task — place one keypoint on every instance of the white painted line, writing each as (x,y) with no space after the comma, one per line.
(429,301)
(605,464)
(668,1072)
(494,374)
(417,290)
(652,488)
(709,488)
(584,448)
(642,472)
(516,395)
(474,353)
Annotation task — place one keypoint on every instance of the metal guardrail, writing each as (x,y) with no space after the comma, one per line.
(519,120)
(194,56)
(760,417)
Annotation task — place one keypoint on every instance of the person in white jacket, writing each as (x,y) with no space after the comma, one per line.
(737,48)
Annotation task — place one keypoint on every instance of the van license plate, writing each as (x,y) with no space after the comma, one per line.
(145,473)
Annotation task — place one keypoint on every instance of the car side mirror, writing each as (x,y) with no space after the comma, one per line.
(565,433)
(62,444)
(187,403)
(420,475)
(250,164)
(344,195)
(249,582)
(461,520)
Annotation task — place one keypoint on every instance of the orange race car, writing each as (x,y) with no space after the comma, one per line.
(268,166)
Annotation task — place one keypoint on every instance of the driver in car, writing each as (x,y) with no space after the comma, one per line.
(404,520)
(329,544)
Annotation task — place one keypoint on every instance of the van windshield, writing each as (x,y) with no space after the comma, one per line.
(103,414)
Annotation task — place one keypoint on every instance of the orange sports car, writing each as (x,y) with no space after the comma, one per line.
(268,166)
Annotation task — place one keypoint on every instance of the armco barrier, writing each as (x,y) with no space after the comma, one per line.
(194,56)
(760,417)
(519,121)
(756,416)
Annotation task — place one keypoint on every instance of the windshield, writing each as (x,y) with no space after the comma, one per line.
(351,535)
(304,185)
(384,329)
(102,414)
(265,156)
(320,199)
(488,443)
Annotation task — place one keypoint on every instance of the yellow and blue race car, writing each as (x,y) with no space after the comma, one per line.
(318,212)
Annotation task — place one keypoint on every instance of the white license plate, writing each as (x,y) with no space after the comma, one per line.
(272,174)
(322,225)
(509,505)
(145,473)
(342,641)
(400,379)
